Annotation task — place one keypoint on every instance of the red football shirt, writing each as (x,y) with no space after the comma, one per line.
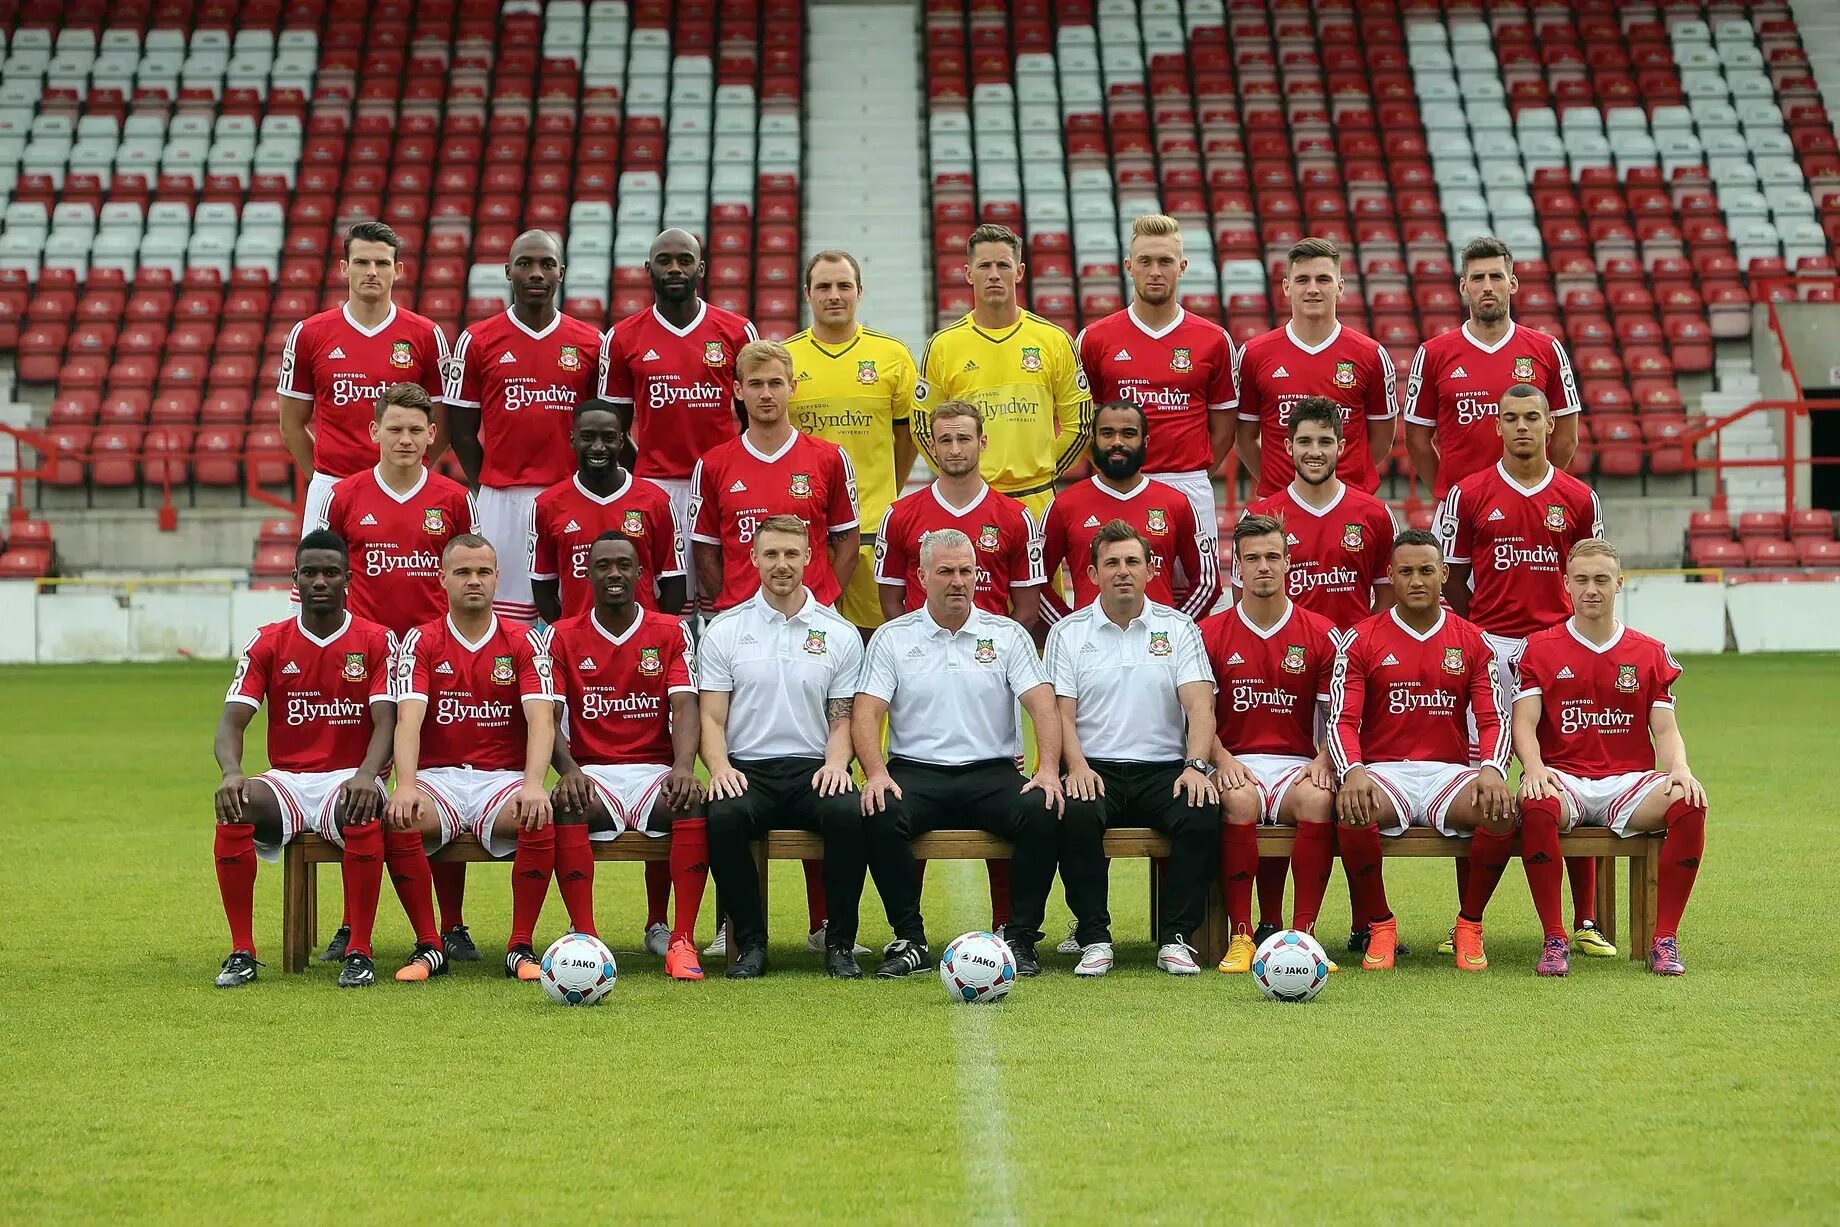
(1267,683)
(1179,376)
(567,518)
(617,689)
(735,487)
(1515,539)
(319,692)
(1338,554)
(1395,697)
(344,369)
(525,385)
(1275,371)
(396,542)
(1161,514)
(475,691)
(681,385)
(1003,533)
(1456,383)
(1594,702)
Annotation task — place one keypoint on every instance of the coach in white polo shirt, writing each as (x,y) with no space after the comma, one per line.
(778,675)
(948,676)
(1136,699)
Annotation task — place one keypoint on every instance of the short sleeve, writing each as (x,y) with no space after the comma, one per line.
(891,552)
(715,670)
(847,672)
(1453,530)
(1415,387)
(1533,672)
(296,378)
(411,670)
(379,659)
(1667,672)
(1383,393)
(1561,385)
(906,378)
(462,386)
(1023,667)
(1058,663)
(1245,391)
(616,376)
(541,548)
(249,684)
(534,677)
(1191,656)
(434,364)
(332,514)
(680,669)
(1221,396)
(1025,554)
(705,524)
(841,512)
(667,541)
(879,678)
(472,513)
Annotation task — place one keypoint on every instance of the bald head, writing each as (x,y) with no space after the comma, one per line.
(676,266)
(534,269)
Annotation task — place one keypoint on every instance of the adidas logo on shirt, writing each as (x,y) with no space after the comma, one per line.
(970,365)
(1390,659)
(1565,674)
(916,651)
(1459,373)
(651,355)
(506,357)
(1091,522)
(587,665)
(748,639)
(336,353)
(1088,647)
(1291,539)
(368,521)
(443,667)
(1496,515)
(740,487)
(1236,659)
(571,527)
(1280,373)
(291,668)
(1123,355)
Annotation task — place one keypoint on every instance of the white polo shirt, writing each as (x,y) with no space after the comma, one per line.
(951,696)
(778,672)
(1125,680)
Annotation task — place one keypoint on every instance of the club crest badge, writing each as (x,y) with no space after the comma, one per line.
(1156,520)
(632,523)
(1344,375)
(1453,660)
(1555,517)
(1626,680)
(986,653)
(814,643)
(354,667)
(650,663)
(1159,643)
(714,355)
(502,673)
(1031,358)
(801,485)
(989,538)
(434,520)
(1352,538)
(1179,360)
(865,372)
(1293,658)
(569,359)
(1523,369)
(402,354)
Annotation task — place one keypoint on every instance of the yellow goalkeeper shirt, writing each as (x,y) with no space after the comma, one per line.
(1025,380)
(853,395)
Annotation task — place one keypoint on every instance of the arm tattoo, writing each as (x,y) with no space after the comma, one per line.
(839,709)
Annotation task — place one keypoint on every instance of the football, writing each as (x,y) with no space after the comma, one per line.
(977,967)
(1290,966)
(577,970)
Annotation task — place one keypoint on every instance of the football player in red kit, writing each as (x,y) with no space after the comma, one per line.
(1405,685)
(1271,659)
(1595,731)
(627,757)
(1506,532)
(476,722)
(325,676)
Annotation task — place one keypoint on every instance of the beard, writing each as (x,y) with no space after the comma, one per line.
(1118,467)
(1489,313)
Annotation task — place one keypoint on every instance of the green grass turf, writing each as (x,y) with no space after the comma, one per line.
(134,1090)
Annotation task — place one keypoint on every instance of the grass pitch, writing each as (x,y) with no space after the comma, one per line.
(134,1090)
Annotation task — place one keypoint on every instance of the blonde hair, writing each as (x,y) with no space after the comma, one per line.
(756,352)
(1157,226)
(960,409)
(1594,547)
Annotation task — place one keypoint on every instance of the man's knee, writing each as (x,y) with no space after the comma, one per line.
(1083,819)
(1243,806)
(1196,820)
(840,818)
(730,819)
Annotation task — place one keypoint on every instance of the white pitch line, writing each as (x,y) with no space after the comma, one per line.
(983,1124)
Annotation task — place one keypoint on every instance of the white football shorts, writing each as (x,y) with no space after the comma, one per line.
(1607,802)
(1274,774)
(1422,793)
(468,799)
(307,800)
(504,520)
(629,791)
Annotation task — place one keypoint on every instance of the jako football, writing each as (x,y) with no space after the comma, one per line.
(977,967)
(577,970)
(1290,966)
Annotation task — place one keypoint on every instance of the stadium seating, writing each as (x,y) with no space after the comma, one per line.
(171,197)
(26,548)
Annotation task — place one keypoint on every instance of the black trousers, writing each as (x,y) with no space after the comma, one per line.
(779,797)
(1139,794)
(985,796)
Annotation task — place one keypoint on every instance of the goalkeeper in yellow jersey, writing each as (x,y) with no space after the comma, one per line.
(1018,369)
(854,387)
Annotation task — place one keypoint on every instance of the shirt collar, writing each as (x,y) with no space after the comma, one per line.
(1142,617)
(933,627)
(773,616)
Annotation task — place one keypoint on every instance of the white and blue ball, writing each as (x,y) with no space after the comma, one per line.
(977,967)
(578,970)
(1290,966)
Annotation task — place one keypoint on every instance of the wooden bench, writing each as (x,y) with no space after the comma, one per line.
(305,854)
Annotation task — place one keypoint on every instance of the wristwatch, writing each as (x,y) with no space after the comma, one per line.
(1199,764)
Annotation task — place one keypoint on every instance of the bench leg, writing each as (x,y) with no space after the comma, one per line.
(1606,896)
(1156,899)
(1643,871)
(296,944)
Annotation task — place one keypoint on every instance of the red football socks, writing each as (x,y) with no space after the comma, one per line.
(362,873)
(1489,854)
(1681,850)
(235,850)
(1312,858)
(999,893)
(657,892)
(1239,868)
(816,907)
(1360,849)
(1540,857)
(450,889)
(1462,868)
(531,869)
(1582,870)
(689,872)
(1272,872)
(411,875)
(575,875)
